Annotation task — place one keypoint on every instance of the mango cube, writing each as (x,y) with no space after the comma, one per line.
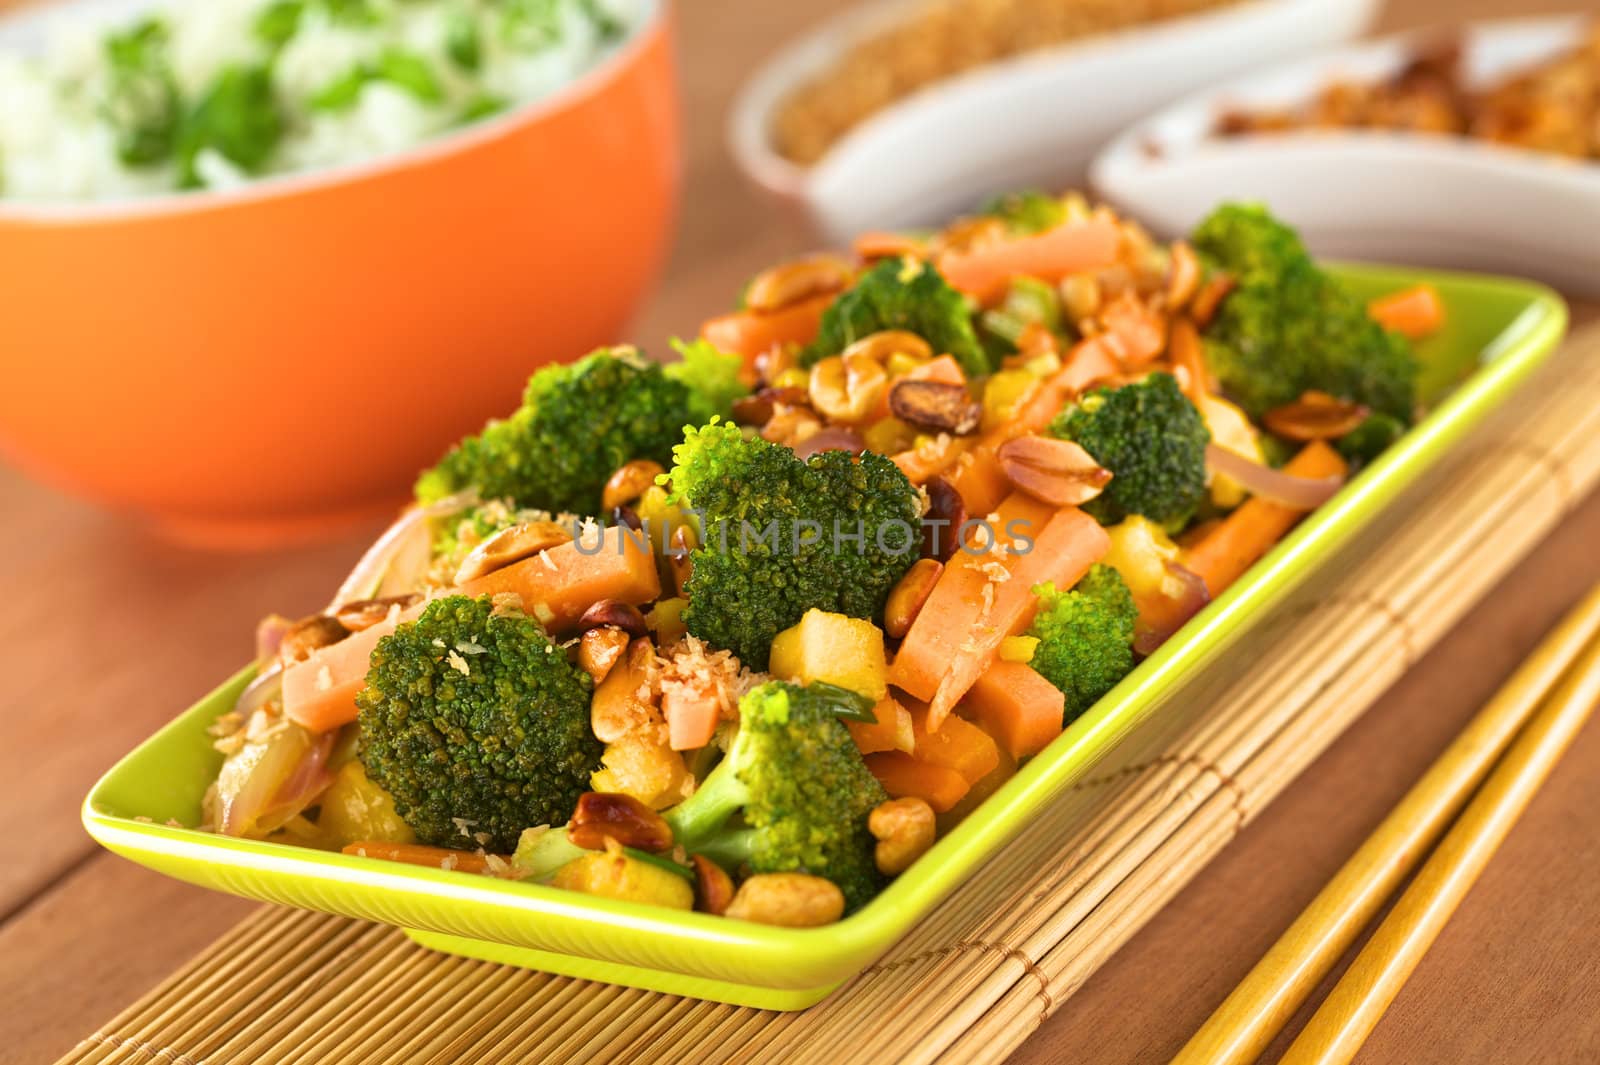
(834,649)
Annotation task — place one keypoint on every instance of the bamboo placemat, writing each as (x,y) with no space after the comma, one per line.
(1008,948)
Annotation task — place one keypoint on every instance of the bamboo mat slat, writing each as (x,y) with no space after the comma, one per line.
(1009,947)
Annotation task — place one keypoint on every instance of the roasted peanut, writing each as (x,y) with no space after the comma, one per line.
(679,563)
(1183,276)
(938,405)
(887,343)
(615,614)
(629,482)
(792,900)
(1058,472)
(848,388)
(947,512)
(626,699)
(308,635)
(771,363)
(512,545)
(607,815)
(601,649)
(713,886)
(1314,416)
(910,594)
(791,425)
(904,829)
(788,283)
(365,613)
(1080,296)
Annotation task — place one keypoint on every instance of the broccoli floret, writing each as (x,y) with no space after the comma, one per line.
(901,294)
(477,725)
(1026,211)
(1152,439)
(804,794)
(1085,637)
(1369,439)
(780,536)
(577,424)
(713,378)
(1287,327)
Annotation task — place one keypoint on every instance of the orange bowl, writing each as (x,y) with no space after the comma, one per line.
(251,366)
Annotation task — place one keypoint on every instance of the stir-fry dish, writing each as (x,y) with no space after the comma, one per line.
(746,631)
(1552,106)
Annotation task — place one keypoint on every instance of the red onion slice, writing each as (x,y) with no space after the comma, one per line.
(269,637)
(1301,493)
(267,687)
(304,785)
(253,778)
(397,560)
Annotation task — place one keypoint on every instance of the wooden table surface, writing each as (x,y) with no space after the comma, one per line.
(108,634)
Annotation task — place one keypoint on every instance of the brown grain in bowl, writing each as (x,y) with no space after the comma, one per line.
(941,39)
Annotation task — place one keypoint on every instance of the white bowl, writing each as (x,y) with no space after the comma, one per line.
(1389,197)
(1034,120)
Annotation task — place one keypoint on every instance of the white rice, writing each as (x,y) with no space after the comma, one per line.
(58,142)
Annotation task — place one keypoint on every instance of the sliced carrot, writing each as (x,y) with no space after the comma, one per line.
(1235,543)
(1018,707)
(979,478)
(902,776)
(957,634)
(558,585)
(1413,312)
(957,744)
(750,333)
(1063,550)
(984,272)
(1086,363)
(1140,333)
(420,854)
(319,693)
(979,792)
(945,370)
(893,731)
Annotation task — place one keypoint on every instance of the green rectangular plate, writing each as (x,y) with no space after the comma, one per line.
(1498,331)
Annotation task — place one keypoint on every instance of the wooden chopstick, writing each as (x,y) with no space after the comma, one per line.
(1247,1021)
(1354,1007)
